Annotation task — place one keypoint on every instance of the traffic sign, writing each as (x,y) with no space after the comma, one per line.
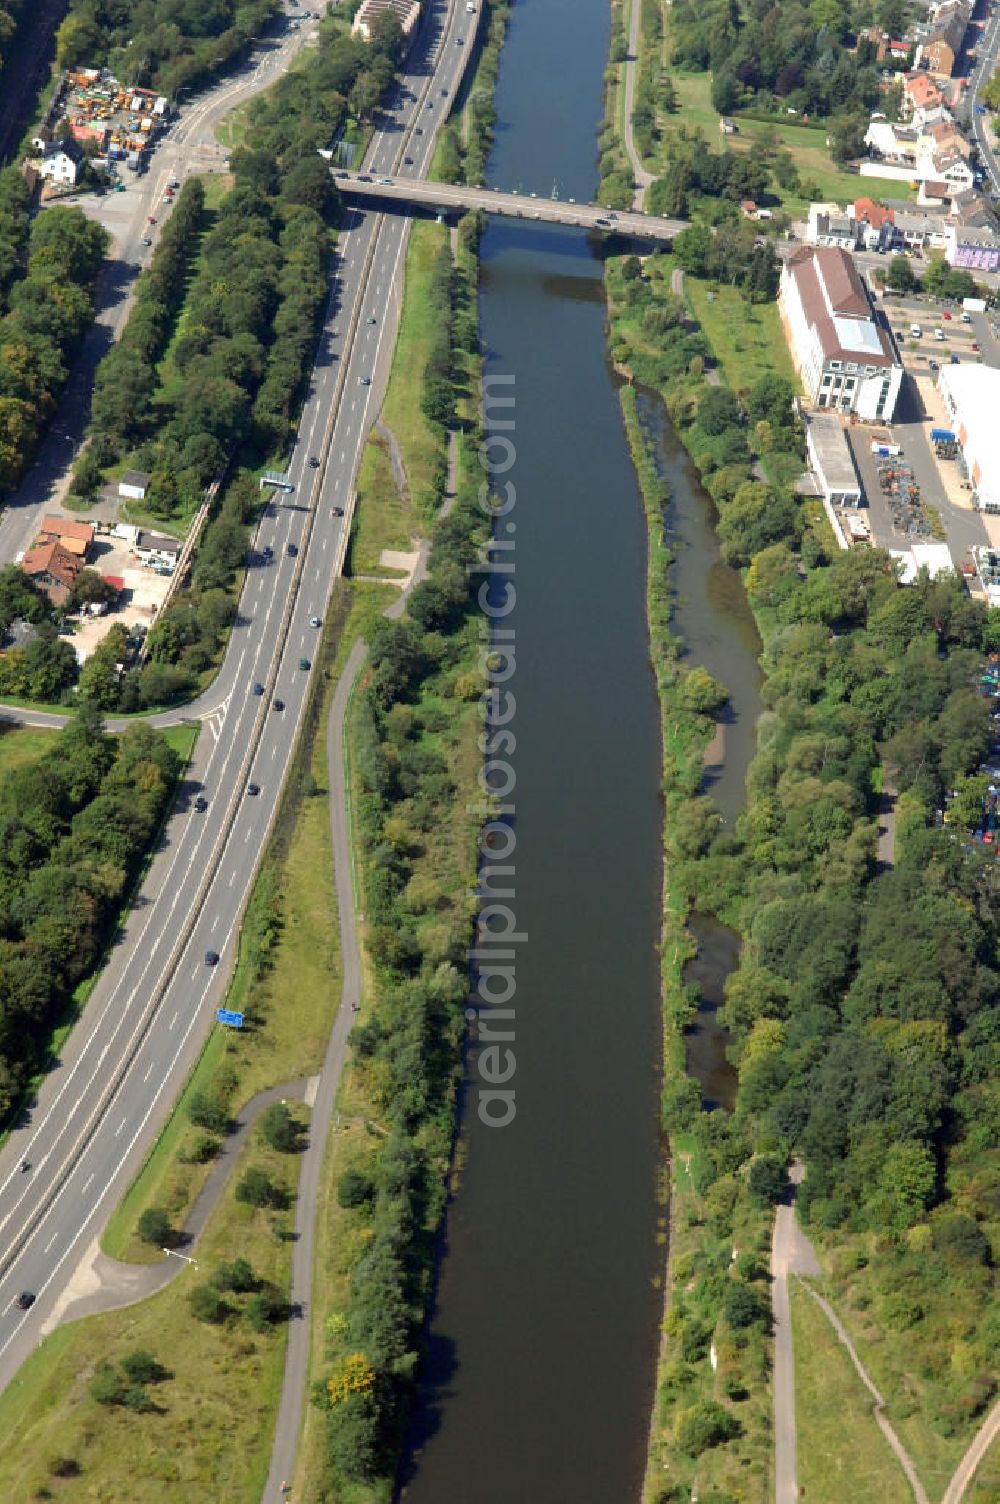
(226,1016)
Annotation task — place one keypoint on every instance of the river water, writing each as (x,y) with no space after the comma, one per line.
(538,1375)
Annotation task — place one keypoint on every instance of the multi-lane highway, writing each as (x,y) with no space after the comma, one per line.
(982,125)
(98,1112)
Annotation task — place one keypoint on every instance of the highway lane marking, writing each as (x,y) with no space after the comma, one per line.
(149,1072)
(86,1183)
(120,1127)
(50,1242)
(176,1013)
(232,877)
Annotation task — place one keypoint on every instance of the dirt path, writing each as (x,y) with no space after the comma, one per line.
(642,177)
(978,1447)
(886,828)
(395,459)
(677,288)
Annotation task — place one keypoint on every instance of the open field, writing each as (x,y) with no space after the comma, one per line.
(22,744)
(747,338)
(842,1454)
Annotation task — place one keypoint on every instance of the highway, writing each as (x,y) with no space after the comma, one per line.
(98,1112)
(459,198)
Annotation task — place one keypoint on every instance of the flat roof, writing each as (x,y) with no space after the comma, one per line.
(832,453)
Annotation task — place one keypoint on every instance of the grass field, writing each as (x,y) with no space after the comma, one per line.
(22,744)
(807,146)
(842,1456)
(747,338)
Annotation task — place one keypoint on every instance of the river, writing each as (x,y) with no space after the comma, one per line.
(538,1375)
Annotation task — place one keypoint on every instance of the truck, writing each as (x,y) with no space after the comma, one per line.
(974,305)
(886,451)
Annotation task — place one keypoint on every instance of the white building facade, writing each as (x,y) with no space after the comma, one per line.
(844,356)
(971,395)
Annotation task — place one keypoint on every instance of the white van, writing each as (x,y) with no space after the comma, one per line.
(915,331)
(939,334)
(966,318)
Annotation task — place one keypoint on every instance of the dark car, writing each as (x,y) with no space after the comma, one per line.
(933,365)
(337,512)
(253,789)
(364,177)
(340,174)
(268,553)
(304,663)
(211,958)
(408,161)
(418,130)
(366,381)
(278,704)
(258,688)
(314,621)
(26,1300)
(201,804)
(292,550)
(313,462)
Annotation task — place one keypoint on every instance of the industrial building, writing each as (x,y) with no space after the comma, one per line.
(971,395)
(407,13)
(831,461)
(843,354)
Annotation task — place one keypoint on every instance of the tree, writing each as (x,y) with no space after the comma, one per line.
(742,1308)
(354,1188)
(207,1305)
(154,1227)
(258,1189)
(718,410)
(142,1368)
(205,1112)
(279,1129)
(900,277)
(703,1426)
(767,1179)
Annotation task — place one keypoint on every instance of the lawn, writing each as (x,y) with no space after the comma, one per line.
(747,338)
(842,1456)
(22,744)
(807,146)
(421,445)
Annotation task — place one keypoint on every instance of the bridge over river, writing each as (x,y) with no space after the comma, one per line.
(459,198)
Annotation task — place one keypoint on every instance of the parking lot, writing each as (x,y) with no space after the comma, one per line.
(141,600)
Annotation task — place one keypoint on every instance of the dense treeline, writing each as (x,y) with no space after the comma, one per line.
(11,17)
(126,377)
(406,728)
(169,45)
(73,828)
(790,54)
(47,277)
(463,150)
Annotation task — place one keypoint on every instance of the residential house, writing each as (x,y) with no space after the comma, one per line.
(134,484)
(920,92)
(975,248)
(828,226)
(876,226)
(916,231)
(841,349)
(75,537)
(62,164)
(54,570)
(728,127)
(940,52)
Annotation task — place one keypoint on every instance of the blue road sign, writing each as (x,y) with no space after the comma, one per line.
(225,1016)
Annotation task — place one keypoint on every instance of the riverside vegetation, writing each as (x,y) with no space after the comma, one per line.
(864,1011)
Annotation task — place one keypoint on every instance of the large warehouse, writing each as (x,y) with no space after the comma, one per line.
(971,395)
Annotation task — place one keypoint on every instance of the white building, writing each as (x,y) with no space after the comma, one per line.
(157,550)
(843,354)
(61,164)
(971,395)
(831,461)
(134,484)
(407,12)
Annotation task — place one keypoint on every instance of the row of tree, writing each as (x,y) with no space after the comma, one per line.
(47,278)
(74,827)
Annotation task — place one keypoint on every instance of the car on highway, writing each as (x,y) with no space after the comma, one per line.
(365,381)
(201,804)
(211,958)
(408,161)
(304,663)
(337,512)
(459,41)
(278,704)
(341,174)
(313,462)
(444,93)
(430,104)
(26,1300)
(267,551)
(386,182)
(253,789)
(146,240)
(151,219)
(315,621)
(364,177)
(258,688)
(603,222)
(418,130)
(372,319)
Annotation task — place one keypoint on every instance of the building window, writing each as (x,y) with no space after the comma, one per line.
(835,365)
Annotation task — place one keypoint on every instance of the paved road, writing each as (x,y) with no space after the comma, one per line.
(642,177)
(982,125)
(886,855)
(459,198)
(181,153)
(153,1006)
(791,1253)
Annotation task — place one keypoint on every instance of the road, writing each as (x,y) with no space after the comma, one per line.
(184,151)
(986,56)
(459,198)
(642,177)
(99,1110)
